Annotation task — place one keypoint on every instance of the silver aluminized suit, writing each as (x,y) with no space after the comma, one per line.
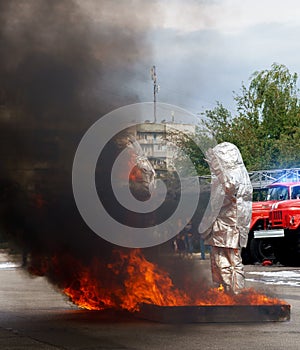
(228,232)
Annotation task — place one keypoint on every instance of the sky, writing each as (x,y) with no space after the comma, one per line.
(203,50)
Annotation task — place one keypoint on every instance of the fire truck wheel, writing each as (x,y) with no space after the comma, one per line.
(262,249)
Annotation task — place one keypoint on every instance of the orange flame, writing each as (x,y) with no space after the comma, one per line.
(146,283)
(134,280)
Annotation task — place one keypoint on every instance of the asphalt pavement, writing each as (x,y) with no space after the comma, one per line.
(34,315)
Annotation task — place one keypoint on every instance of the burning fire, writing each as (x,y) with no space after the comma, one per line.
(134,280)
(144,282)
(130,281)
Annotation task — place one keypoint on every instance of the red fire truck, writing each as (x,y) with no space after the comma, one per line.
(267,235)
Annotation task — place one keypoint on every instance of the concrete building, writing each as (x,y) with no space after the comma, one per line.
(158,142)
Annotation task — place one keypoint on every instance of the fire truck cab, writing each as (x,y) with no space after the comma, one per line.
(263,236)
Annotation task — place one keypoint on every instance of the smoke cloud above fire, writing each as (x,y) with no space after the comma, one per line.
(61,69)
(56,58)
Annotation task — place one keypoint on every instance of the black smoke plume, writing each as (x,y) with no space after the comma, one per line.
(62,67)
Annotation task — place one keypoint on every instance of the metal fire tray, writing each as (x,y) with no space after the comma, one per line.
(215,313)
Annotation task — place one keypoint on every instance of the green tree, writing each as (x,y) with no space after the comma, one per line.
(267,120)
(219,122)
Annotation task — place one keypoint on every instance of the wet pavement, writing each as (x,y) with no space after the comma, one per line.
(34,315)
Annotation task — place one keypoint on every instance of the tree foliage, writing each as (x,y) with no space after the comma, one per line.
(266,125)
(189,159)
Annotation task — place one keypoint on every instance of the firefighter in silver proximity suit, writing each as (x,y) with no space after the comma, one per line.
(231,202)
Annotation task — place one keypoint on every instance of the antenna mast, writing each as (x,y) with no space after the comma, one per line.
(155,88)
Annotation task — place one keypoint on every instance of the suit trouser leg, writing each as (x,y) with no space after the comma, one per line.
(227,268)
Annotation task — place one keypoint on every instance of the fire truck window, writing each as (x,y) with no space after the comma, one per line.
(278,193)
(284,194)
(296,192)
